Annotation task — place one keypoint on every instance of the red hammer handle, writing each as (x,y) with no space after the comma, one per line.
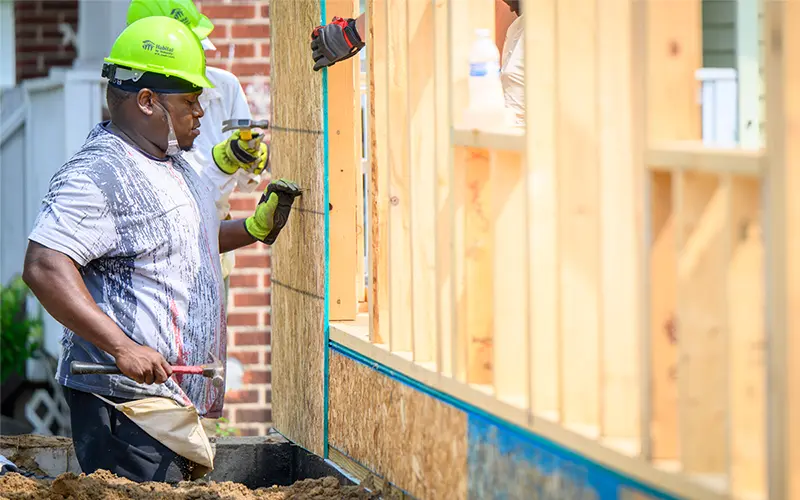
(187,370)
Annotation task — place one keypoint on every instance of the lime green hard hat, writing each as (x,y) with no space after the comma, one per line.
(183,10)
(159,45)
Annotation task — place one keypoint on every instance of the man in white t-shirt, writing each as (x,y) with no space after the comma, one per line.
(125,253)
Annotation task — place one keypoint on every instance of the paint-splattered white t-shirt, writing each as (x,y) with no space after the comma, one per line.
(146,235)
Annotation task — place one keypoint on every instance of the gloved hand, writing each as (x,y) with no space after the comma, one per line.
(234,153)
(335,42)
(272,211)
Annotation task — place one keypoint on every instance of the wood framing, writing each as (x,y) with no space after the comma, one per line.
(595,296)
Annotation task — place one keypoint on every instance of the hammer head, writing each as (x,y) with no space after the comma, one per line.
(215,371)
(244,123)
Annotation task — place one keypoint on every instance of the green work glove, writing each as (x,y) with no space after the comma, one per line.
(272,211)
(234,153)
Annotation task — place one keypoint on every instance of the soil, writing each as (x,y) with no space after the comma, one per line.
(34,441)
(103,485)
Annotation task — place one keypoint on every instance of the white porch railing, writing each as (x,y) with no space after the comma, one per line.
(42,123)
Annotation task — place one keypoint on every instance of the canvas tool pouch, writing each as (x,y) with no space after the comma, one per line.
(177,427)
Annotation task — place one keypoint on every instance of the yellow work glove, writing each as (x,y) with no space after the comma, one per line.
(234,153)
(272,211)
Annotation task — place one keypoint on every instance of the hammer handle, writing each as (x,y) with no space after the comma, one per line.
(82,368)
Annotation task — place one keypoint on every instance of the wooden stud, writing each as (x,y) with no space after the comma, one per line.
(401,312)
(746,320)
(478,265)
(378,172)
(541,157)
(674,52)
(511,326)
(621,229)
(422,157)
(783,246)
(702,333)
(579,213)
(345,161)
(445,328)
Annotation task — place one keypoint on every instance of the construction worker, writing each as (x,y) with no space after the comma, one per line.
(125,254)
(212,155)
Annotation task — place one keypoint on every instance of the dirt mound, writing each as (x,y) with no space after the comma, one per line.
(103,485)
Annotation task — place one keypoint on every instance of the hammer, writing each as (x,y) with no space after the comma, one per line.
(215,371)
(245,125)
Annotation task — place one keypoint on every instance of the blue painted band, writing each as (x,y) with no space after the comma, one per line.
(474,410)
(326,271)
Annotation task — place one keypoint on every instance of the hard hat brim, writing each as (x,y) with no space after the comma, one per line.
(200,81)
(204,27)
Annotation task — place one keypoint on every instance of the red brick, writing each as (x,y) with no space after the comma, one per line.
(269,396)
(265,11)
(36,47)
(267,280)
(59,5)
(234,397)
(268,358)
(239,50)
(257,377)
(220,33)
(267,318)
(251,338)
(249,431)
(37,17)
(265,50)
(242,319)
(226,414)
(241,299)
(250,69)
(244,280)
(246,358)
(252,261)
(260,30)
(254,415)
(215,12)
(26,6)
(243,204)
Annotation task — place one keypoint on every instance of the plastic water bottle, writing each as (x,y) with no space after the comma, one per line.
(486,102)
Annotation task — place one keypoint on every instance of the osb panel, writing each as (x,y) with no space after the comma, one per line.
(413,440)
(298,258)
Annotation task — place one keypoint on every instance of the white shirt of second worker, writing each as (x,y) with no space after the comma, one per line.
(512,70)
(225,101)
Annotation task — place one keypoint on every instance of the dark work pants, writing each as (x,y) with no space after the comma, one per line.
(104,438)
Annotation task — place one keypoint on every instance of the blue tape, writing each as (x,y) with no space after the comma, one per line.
(327,274)
(523,433)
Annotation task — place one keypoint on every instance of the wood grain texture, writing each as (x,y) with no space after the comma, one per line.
(406,436)
(298,258)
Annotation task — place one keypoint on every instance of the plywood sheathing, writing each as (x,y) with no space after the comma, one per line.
(406,436)
(298,342)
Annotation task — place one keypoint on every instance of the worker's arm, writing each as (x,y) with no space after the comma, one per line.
(271,214)
(339,40)
(54,278)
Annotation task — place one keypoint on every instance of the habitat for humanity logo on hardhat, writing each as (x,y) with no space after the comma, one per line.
(160,53)
(182,10)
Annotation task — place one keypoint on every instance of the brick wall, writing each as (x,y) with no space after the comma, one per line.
(40,44)
(241,34)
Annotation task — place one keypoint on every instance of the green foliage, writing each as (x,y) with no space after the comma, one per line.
(20,335)
(224,430)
